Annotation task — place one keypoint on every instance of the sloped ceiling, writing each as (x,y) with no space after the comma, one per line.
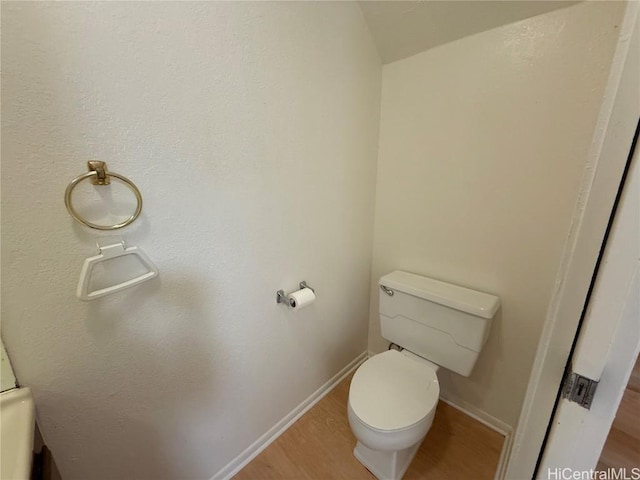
(403,28)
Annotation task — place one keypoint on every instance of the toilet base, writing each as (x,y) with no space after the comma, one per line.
(386,465)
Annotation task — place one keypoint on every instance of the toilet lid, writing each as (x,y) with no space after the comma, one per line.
(391,391)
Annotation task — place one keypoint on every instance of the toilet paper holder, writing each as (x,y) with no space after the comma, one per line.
(281,297)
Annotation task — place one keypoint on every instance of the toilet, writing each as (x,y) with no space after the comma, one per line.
(393,395)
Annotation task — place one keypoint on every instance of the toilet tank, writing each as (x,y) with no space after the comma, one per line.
(444,323)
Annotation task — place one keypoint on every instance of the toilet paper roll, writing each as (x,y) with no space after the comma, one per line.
(301,298)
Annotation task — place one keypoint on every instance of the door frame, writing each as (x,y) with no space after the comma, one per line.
(607,346)
(604,169)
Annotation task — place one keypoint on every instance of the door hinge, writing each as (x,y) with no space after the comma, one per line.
(579,389)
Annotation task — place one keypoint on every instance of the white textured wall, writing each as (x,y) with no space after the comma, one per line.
(483,142)
(251,130)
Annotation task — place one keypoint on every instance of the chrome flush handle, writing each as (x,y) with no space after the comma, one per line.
(387,290)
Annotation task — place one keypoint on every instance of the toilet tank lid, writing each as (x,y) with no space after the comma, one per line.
(464,299)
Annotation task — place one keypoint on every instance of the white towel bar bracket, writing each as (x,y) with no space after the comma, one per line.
(107,252)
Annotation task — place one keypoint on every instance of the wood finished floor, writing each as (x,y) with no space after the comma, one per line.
(319,446)
(622,448)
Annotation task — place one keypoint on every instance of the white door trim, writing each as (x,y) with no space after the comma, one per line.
(607,158)
(608,344)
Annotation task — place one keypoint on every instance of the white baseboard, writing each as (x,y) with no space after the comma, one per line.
(493,423)
(501,470)
(483,417)
(279,428)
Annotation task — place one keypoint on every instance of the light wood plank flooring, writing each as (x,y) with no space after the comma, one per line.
(319,446)
(622,448)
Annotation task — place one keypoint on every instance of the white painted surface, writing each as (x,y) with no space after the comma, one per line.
(405,28)
(482,145)
(7,378)
(17,428)
(608,344)
(278,429)
(607,157)
(251,131)
(612,288)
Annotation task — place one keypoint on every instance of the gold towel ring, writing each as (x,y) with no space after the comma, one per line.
(98,170)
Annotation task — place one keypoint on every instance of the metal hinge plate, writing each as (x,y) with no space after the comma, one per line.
(580,389)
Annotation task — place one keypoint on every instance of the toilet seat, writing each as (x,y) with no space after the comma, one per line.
(391,392)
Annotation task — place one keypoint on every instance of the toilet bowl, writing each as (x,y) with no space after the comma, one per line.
(393,395)
(392,403)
